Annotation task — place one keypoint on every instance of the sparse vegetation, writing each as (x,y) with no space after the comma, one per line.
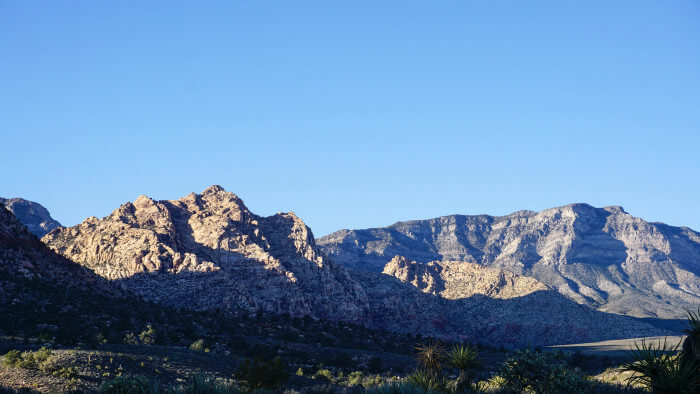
(198,345)
(540,372)
(257,373)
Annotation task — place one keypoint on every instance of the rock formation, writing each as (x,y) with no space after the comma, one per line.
(600,257)
(31,214)
(209,252)
(456,279)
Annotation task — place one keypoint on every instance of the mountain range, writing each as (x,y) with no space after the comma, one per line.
(208,252)
(603,258)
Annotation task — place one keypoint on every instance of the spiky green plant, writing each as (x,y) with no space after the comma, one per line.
(428,382)
(465,359)
(690,351)
(660,368)
(430,357)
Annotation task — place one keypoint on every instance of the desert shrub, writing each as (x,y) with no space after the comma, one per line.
(131,385)
(427,381)
(27,360)
(130,339)
(324,374)
(257,373)
(148,336)
(12,358)
(396,388)
(662,369)
(207,385)
(355,378)
(198,345)
(540,372)
(64,372)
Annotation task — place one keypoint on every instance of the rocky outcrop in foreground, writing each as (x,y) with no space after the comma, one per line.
(600,257)
(31,214)
(209,252)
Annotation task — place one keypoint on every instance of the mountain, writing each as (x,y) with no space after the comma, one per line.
(33,215)
(466,301)
(604,258)
(457,279)
(209,252)
(45,294)
(23,255)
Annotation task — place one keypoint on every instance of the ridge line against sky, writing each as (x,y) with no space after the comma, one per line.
(354,115)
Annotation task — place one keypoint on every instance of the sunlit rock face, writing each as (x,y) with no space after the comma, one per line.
(208,251)
(601,257)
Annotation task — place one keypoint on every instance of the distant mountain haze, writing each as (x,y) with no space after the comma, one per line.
(32,214)
(604,258)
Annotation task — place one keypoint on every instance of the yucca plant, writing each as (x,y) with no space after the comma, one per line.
(428,382)
(690,351)
(662,369)
(465,359)
(430,357)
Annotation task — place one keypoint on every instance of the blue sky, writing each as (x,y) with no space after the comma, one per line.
(354,114)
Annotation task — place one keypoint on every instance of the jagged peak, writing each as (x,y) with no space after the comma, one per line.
(213,189)
(143,200)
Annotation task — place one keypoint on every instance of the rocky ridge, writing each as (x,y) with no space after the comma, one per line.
(32,214)
(24,259)
(454,280)
(600,257)
(209,252)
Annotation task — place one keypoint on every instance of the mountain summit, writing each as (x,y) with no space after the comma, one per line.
(208,251)
(600,257)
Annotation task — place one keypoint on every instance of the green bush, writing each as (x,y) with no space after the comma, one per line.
(257,373)
(355,378)
(324,374)
(541,373)
(131,385)
(663,369)
(427,381)
(198,345)
(12,358)
(148,336)
(27,360)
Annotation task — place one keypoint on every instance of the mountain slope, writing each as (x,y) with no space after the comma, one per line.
(31,214)
(600,257)
(208,252)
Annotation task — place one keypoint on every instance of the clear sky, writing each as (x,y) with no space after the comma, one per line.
(353,114)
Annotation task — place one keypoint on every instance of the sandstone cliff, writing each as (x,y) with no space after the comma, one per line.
(601,257)
(208,251)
